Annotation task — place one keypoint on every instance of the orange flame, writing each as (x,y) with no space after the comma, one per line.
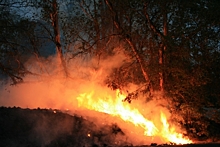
(170,134)
(116,107)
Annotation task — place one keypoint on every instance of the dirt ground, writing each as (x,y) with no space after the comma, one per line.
(53,128)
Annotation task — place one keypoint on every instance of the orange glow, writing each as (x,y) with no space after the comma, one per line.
(116,107)
(170,134)
(86,89)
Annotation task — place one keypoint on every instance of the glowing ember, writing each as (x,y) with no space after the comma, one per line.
(116,107)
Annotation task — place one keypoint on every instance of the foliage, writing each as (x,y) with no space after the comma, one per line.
(17,42)
(174,42)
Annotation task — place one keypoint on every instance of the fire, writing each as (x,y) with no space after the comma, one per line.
(116,107)
(170,134)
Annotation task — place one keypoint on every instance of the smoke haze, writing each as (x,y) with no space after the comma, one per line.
(48,88)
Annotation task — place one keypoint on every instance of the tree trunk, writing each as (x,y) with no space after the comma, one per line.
(163,45)
(140,61)
(97,29)
(132,46)
(55,24)
(161,52)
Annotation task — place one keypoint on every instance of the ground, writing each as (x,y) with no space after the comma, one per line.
(53,128)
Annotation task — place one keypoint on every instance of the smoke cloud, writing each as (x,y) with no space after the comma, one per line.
(49,88)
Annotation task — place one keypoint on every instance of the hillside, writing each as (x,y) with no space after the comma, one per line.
(53,128)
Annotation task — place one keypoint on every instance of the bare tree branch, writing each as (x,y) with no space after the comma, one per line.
(130,43)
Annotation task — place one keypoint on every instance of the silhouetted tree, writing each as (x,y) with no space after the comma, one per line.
(17,42)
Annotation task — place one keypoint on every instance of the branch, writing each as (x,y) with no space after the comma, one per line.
(102,39)
(152,26)
(48,31)
(127,38)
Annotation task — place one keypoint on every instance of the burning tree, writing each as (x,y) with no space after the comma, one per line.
(165,46)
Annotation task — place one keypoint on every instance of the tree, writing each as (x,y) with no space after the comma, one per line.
(50,13)
(127,37)
(171,42)
(17,41)
(172,48)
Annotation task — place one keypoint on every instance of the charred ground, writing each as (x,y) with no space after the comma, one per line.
(53,128)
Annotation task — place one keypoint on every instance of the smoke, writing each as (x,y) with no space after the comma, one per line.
(47,88)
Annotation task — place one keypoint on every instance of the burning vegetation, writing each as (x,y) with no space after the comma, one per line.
(139,122)
(136,72)
(116,107)
(85,94)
